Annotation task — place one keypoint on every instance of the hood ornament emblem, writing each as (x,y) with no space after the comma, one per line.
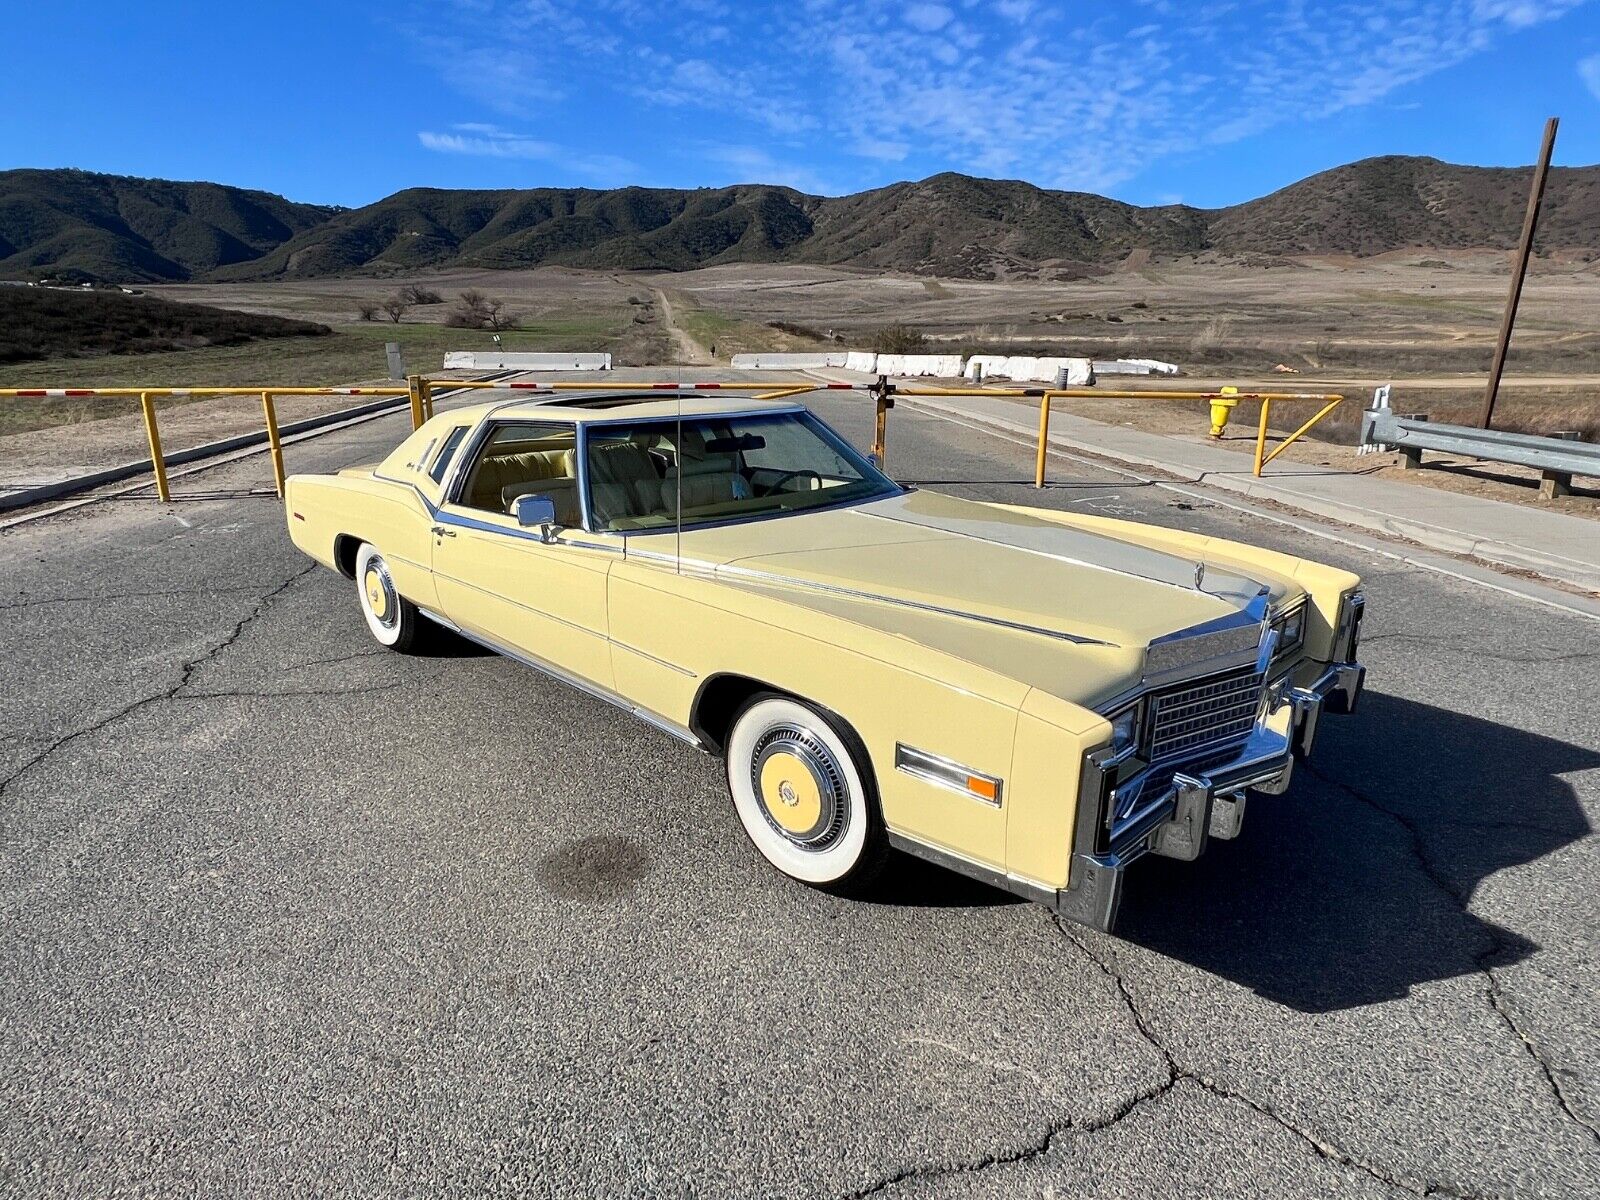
(1199,575)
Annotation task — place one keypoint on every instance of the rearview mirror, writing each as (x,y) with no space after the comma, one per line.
(536,511)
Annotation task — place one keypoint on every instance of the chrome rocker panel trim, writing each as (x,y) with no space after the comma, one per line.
(1194,806)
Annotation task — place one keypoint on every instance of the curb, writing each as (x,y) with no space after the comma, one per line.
(80,483)
(1449,541)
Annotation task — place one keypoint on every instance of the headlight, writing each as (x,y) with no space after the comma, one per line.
(1125,729)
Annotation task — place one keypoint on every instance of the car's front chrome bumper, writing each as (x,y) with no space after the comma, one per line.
(1194,806)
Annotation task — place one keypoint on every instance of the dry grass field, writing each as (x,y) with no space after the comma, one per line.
(1422,320)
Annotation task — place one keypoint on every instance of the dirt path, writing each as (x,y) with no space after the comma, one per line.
(687,351)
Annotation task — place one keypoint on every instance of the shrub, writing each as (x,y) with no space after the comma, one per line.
(45,322)
(803,331)
(897,339)
(396,308)
(417,294)
(367,309)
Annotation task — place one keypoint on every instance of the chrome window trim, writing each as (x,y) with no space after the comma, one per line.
(946,773)
(449,493)
(447,448)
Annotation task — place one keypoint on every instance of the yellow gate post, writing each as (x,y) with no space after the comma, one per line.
(882,392)
(1044,440)
(273,440)
(419,398)
(147,405)
(1261,436)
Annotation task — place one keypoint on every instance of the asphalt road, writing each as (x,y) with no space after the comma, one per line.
(283,912)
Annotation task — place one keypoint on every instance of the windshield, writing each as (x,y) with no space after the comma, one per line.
(727,468)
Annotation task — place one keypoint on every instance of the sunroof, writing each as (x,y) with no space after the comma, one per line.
(611,401)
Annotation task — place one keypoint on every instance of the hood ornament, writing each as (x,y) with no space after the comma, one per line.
(1199,576)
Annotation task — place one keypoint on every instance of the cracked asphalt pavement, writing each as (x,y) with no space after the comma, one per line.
(281,911)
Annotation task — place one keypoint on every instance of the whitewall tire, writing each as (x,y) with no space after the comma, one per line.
(798,786)
(391,618)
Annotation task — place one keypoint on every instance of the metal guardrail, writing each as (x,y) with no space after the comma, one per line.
(1557,458)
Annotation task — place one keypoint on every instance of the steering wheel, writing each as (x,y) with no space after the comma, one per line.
(777,484)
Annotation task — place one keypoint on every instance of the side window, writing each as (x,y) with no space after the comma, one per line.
(627,473)
(525,458)
(447,452)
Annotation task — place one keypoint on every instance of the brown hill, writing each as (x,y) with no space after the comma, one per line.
(945,225)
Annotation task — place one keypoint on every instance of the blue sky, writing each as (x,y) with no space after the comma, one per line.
(1151,101)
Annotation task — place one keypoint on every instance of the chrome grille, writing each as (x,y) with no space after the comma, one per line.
(1205,715)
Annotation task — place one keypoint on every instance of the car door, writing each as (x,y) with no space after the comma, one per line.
(543,600)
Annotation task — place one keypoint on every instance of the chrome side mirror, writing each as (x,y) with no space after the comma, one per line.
(536,510)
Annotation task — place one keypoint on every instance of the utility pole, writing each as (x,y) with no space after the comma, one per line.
(1520,270)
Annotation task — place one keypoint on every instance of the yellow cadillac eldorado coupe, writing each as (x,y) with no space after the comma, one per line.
(1033,698)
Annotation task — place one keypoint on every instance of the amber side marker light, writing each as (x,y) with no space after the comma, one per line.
(984,789)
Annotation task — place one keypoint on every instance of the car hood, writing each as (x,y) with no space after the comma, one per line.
(935,554)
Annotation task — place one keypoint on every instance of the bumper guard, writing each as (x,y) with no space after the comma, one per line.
(1198,806)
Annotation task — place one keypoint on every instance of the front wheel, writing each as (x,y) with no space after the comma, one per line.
(800,786)
(393,619)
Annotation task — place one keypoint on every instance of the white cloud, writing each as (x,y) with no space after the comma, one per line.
(928,17)
(491,141)
(1066,95)
(751,164)
(1589,72)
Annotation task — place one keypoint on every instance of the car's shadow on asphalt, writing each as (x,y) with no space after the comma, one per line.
(1349,890)
(909,882)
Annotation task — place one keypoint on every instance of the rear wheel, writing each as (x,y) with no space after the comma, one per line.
(802,788)
(393,619)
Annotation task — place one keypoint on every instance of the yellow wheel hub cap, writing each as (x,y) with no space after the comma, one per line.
(377,595)
(790,793)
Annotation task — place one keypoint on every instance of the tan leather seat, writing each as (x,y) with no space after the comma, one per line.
(496,472)
(623,482)
(708,480)
(563,492)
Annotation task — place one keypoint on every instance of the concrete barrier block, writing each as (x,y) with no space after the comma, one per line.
(508,360)
(792,361)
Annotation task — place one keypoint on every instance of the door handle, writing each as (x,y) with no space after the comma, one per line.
(441,531)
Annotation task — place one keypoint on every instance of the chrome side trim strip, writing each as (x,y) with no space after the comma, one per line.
(439,618)
(1017,885)
(583,685)
(671,666)
(946,773)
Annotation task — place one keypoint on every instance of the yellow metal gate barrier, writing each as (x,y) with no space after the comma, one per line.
(419,390)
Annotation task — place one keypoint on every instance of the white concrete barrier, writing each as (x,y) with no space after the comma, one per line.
(792,362)
(861,360)
(911,365)
(1134,366)
(508,360)
(1030,369)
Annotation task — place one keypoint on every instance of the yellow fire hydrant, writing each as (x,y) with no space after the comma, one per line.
(1221,406)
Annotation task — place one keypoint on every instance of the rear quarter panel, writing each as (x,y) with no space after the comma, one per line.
(392,517)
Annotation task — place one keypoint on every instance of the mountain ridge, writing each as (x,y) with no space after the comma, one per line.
(125,229)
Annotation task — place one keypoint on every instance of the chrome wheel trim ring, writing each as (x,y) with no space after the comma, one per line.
(798,743)
(390,617)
